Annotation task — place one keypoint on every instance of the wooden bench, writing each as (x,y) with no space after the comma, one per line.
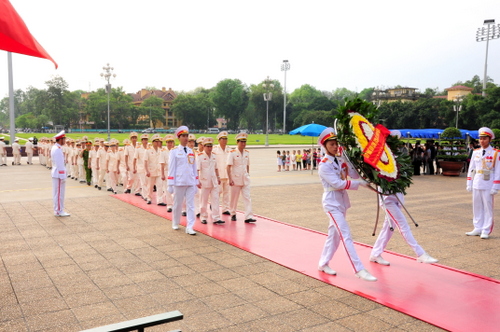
(140,324)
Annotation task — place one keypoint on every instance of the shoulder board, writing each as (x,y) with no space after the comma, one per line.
(246,150)
(174,148)
(477,149)
(233,150)
(324,160)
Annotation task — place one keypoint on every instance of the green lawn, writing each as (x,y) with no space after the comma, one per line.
(257,139)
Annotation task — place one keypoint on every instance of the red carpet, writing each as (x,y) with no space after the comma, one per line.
(448,298)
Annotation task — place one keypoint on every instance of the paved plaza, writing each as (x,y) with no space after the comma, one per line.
(111,261)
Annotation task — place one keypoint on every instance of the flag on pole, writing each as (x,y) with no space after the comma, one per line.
(15,36)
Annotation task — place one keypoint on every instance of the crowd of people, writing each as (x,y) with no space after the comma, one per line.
(187,180)
(297,160)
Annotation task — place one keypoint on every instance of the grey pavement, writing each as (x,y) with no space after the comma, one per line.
(111,261)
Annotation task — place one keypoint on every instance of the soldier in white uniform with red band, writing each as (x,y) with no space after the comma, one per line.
(221,151)
(59,175)
(333,172)
(182,180)
(483,179)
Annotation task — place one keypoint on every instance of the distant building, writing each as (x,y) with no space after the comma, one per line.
(395,94)
(168,97)
(221,123)
(458,91)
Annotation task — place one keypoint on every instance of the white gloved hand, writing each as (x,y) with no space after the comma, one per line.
(363,183)
(469,188)
(493,191)
(170,189)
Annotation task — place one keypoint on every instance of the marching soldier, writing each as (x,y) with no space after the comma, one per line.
(221,152)
(209,182)
(182,179)
(112,166)
(28,147)
(101,163)
(483,179)
(59,175)
(238,171)
(152,168)
(139,165)
(333,172)
(123,178)
(16,152)
(170,142)
(93,162)
(3,152)
(129,162)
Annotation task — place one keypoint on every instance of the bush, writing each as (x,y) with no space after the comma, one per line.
(451,132)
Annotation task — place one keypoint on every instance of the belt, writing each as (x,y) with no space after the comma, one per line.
(480,171)
(332,189)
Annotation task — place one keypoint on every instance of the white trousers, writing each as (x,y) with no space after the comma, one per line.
(143,183)
(167,197)
(181,193)
(398,220)
(154,181)
(17,158)
(213,194)
(3,159)
(112,180)
(82,176)
(30,157)
(224,191)
(235,195)
(338,231)
(102,174)
(58,191)
(482,206)
(95,176)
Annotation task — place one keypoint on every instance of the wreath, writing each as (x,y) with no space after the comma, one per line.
(371,149)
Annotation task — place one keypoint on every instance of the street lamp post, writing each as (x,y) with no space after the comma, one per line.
(284,67)
(267,85)
(457,107)
(108,73)
(491,31)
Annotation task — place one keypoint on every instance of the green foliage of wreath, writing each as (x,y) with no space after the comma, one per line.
(347,139)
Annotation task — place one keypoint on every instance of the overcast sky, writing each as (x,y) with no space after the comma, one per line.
(188,44)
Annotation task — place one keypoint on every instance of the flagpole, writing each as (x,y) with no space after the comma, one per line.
(11,100)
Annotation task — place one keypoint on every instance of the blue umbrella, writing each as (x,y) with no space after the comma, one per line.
(311,129)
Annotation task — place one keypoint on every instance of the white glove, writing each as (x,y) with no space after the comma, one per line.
(469,188)
(363,183)
(493,191)
(170,189)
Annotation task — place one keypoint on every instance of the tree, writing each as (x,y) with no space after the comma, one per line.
(255,115)
(230,100)
(152,109)
(193,109)
(60,106)
(307,98)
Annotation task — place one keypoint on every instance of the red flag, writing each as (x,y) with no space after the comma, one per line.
(15,36)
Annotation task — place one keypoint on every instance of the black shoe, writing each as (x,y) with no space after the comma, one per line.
(233,218)
(149,202)
(114,192)
(95,186)
(204,222)
(88,183)
(154,188)
(109,189)
(138,194)
(162,204)
(169,210)
(250,220)
(82,181)
(219,222)
(198,215)
(127,191)
(99,188)
(184,214)
(227,213)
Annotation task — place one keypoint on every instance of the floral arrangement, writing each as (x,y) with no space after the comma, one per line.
(371,149)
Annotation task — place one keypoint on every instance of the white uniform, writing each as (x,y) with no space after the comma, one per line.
(483,176)
(16,153)
(123,178)
(3,154)
(224,188)
(152,158)
(133,180)
(240,162)
(335,204)
(112,161)
(93,166)
(209,185)
(393,211)
(166,196)
(182,175)
(101,163)
(58,178)
(139,165)
(29,152)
